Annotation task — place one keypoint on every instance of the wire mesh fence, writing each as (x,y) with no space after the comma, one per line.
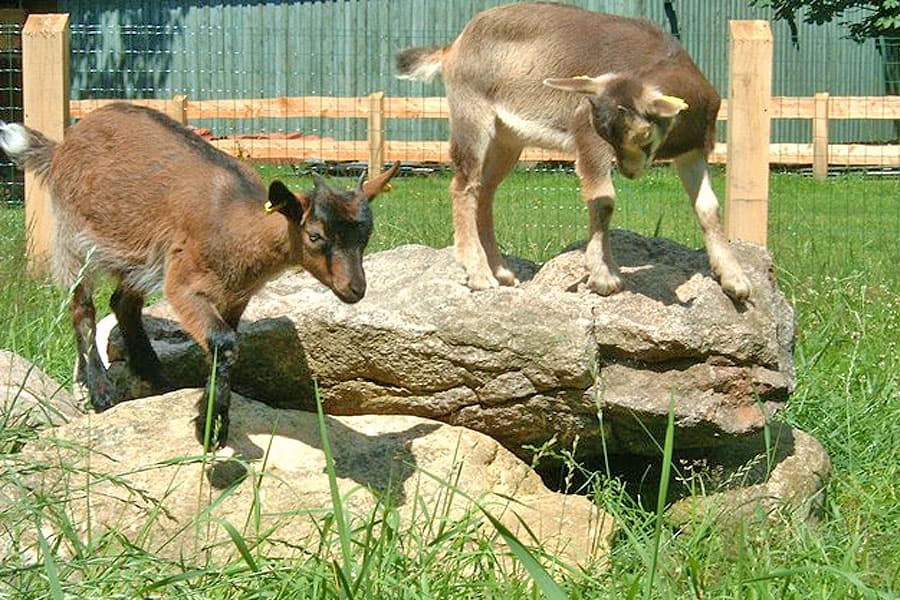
(237,53)
(10,104)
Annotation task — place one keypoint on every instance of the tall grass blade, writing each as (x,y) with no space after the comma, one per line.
(167,581)
(50,567)
(661,497)
(541,577)
(210,399)
(344,584)
(240,544)
(539,574)
(343,529)
(852,579)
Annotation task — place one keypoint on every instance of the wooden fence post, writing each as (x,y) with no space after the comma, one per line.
(750,93)
(177,108)
(45,96)
(820,136)
(376,133)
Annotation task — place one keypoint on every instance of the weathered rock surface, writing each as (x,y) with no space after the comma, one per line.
(524,364)
(748,478)
(138,465)
(30,398)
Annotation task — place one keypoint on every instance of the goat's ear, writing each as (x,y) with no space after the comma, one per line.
(379,183)
(667,106)
(281,199)
(582,84)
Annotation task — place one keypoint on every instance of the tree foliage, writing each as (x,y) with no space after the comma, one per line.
(878,20)
(867,18)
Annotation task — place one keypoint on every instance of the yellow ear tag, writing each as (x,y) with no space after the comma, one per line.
(270,208)
(676,101)
(385,188)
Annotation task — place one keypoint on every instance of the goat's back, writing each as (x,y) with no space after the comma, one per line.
(505,53)
(128,182)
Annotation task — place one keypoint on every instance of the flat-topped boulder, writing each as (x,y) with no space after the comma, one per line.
(136,469)
(543,360)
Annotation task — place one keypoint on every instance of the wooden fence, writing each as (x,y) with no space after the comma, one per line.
(377,108)
(45,64)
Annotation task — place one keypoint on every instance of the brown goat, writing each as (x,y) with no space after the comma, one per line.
(560,77)
(139,197)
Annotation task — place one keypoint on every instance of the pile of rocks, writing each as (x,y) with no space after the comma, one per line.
(491,376)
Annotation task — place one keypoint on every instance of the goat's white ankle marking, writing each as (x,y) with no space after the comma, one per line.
(706,201)
(695,177)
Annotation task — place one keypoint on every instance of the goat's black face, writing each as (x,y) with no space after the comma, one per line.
(634,118)
(331,229)
(335,234)
(634,134)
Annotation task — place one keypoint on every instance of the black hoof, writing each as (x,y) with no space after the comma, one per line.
(103,396)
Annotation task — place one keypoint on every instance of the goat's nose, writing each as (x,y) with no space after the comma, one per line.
(354,293)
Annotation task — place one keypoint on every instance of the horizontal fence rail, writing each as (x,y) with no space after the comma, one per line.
(376,108)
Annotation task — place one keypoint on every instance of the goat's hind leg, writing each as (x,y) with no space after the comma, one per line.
(468,146)
(499,160)
(89,368)
(694,174)
(142,359)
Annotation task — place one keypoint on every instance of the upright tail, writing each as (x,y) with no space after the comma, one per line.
(29,149)
(420,64)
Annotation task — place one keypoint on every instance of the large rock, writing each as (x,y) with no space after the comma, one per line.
(30,398)
(785,476)
(524,364)
(136,469)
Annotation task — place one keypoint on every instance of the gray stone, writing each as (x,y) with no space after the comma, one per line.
(30,398)
(137,464)
(784,478)
(523,364)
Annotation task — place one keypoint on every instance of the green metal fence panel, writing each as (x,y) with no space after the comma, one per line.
(251,49)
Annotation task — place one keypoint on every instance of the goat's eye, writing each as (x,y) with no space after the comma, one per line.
(314,237)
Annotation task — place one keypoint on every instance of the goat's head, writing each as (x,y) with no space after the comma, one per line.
(330,229)
(633,117)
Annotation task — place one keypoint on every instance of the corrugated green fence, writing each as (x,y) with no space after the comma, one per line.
(135,48)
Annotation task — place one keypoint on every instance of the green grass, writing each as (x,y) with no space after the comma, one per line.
(836,252)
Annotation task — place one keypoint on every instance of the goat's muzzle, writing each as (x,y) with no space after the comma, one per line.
(353,293)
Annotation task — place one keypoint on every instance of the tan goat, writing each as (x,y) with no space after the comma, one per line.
(560,77)
(140,198)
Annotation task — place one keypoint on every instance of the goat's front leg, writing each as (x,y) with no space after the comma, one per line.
(213,420)
(604,277)
(189,293)
(89,368)
(694,174)
(593,165)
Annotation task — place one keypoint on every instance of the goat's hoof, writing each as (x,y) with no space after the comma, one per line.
(218,432)
(506,277)
(102,396)
(482,281)
(736,285)
(606,285)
